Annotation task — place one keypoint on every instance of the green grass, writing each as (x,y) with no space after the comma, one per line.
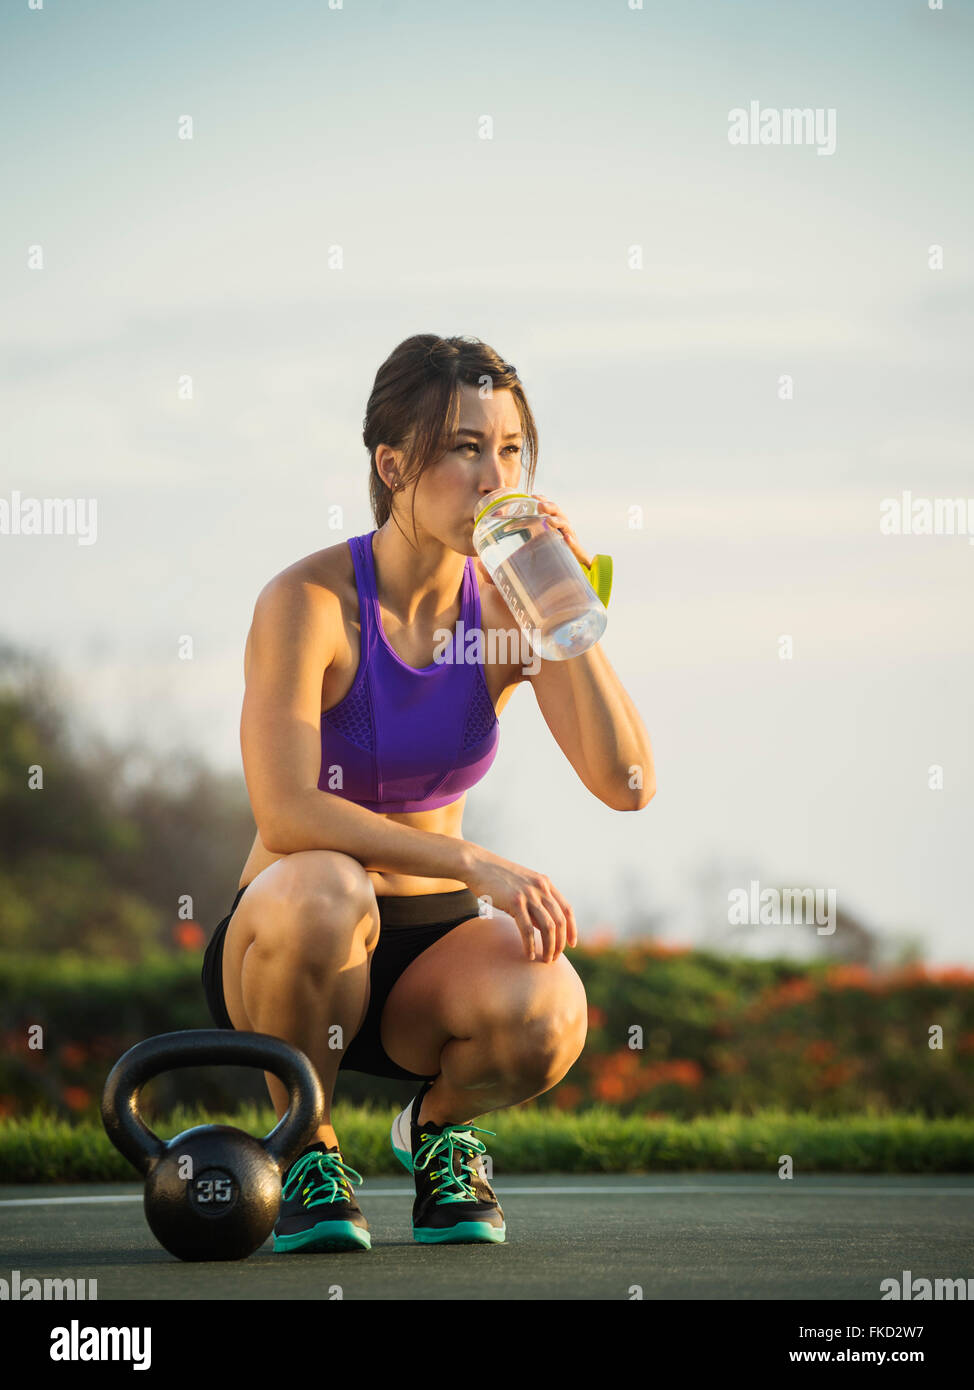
(43,1149)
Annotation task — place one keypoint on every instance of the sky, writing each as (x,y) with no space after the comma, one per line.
(557,180)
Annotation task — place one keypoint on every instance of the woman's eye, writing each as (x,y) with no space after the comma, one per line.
(469,445)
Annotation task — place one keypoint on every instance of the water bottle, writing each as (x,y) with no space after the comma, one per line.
(545,587)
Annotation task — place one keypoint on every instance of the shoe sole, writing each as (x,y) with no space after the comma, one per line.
(327,1235)
(463,1233)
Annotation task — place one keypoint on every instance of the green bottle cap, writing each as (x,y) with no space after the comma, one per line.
(495,501)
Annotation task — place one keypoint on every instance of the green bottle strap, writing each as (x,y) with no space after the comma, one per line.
(599,575)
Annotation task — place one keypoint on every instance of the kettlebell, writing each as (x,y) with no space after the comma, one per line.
(213,1192)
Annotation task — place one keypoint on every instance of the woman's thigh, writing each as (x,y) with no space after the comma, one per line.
(474,978)
(277,898)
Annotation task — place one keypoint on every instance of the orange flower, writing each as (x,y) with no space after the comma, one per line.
(797,990)
(635,956)
(625,1061)
(819,1051)
(77,1097)
(567,1097)
(837,1074)
(617,1075)
(849,977)
(913,974)
(72,1054)
(623,1074)
(684,1072)
(608,1088)
(952,975)
(596,1016)
(679,1071)
(189,936)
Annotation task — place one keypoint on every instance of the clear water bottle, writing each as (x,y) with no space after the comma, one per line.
(545,587)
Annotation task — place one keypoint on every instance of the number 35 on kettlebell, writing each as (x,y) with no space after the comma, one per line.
(213,1192)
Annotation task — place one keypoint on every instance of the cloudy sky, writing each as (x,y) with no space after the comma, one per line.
(654,284)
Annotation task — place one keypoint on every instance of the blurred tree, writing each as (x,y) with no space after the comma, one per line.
(853,940)
(97,859)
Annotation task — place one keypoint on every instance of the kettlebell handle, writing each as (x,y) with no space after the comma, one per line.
(200,1047)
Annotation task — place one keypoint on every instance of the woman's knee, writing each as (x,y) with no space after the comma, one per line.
(538,1027)
(312,906)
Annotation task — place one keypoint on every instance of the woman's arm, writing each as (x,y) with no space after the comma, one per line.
(315,819)
(589,712)
(597,727)
(292,641)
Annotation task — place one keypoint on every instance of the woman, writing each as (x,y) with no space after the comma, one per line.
(366,931)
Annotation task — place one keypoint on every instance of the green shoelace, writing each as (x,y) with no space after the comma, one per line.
(326,1176)
(455,1138)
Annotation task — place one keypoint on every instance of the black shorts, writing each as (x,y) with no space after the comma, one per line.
(414,923)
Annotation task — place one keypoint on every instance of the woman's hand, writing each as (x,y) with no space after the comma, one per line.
(560,522)
(529,897)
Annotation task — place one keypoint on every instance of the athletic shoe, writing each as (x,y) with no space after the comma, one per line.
(454,1201)
(318,1207)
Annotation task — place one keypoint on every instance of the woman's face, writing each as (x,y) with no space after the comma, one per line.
(484,455)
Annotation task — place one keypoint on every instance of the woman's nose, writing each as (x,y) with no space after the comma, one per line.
(493,472)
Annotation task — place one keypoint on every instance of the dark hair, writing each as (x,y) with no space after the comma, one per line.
(415,406)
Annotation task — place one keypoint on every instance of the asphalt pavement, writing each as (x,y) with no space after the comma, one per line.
(570,1237)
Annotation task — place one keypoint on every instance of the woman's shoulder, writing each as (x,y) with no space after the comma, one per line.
(330,570)
(319,589)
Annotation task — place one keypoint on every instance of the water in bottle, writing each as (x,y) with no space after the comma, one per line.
(533,567)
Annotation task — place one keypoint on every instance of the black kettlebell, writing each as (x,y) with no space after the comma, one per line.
(212,1192)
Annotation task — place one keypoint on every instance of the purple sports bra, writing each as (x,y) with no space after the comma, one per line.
(407,738)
